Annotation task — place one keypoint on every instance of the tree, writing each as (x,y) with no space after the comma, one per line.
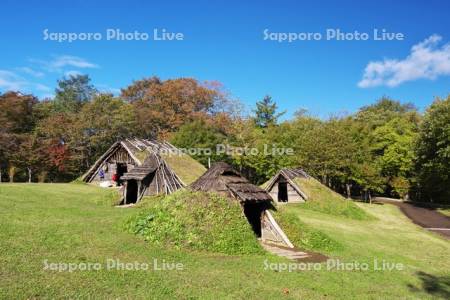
(16,113)
(31,155)
(386,133)
(163,106)
(72,93)
(56,133)
(254,153)
(384,110)
(392,146)
(99,124)
(433,153)
(17,118)
(266,112)
(200,135)
(369,178)
(139,89)
(75,140)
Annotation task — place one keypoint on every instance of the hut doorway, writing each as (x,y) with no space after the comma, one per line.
(282,192)
(132,192)
(121,169)
(253,213)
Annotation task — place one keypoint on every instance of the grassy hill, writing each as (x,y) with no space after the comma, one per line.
(302,235)
(445,211)
(195,220)
(70,223)
(323,199)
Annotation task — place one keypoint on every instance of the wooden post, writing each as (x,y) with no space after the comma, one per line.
(12,172)
(29,174)
(125,187)
(347,185)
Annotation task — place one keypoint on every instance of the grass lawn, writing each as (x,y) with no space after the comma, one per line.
(445,211)
(70,223)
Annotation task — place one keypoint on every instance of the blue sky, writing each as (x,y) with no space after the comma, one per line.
(224,41)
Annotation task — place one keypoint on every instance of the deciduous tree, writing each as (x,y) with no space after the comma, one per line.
(433,153)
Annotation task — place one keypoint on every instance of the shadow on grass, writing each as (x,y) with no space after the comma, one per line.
(437,286)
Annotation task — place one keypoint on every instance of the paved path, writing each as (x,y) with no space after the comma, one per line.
(294,254)
(425,217)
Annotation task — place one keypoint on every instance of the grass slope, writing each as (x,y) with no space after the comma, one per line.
(195,220)
(323,199)
(302,235)
(445,211)
(67,223)
(187,168)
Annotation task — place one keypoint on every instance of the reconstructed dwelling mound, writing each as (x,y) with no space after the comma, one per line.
(296,186)
(144,167)
(196,220)
(221,178)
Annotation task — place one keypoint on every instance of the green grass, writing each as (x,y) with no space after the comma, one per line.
(445,211)
(195,220)
(187,168)
(302,235)
(323,199)
(71,223)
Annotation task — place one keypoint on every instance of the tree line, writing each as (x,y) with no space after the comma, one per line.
(387,148)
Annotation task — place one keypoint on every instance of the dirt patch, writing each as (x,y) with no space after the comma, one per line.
(294,253)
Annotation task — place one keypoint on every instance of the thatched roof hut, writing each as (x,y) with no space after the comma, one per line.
(223,179)
(285,186)
(144,167)
(255,202)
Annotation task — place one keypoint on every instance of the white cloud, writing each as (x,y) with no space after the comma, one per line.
(426,61)
(31,72)
(10,81)
(73,61)
(66,64)
(58,63)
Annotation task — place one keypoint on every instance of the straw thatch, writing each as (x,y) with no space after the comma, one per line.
(132,151)
(162,179)
(222,178)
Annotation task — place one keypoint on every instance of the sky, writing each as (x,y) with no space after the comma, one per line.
(241,44)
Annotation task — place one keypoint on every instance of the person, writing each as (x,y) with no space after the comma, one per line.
(102,175)
(115,178)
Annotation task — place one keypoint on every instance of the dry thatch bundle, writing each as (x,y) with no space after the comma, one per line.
(156,177)
(133,152)
(223,179)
